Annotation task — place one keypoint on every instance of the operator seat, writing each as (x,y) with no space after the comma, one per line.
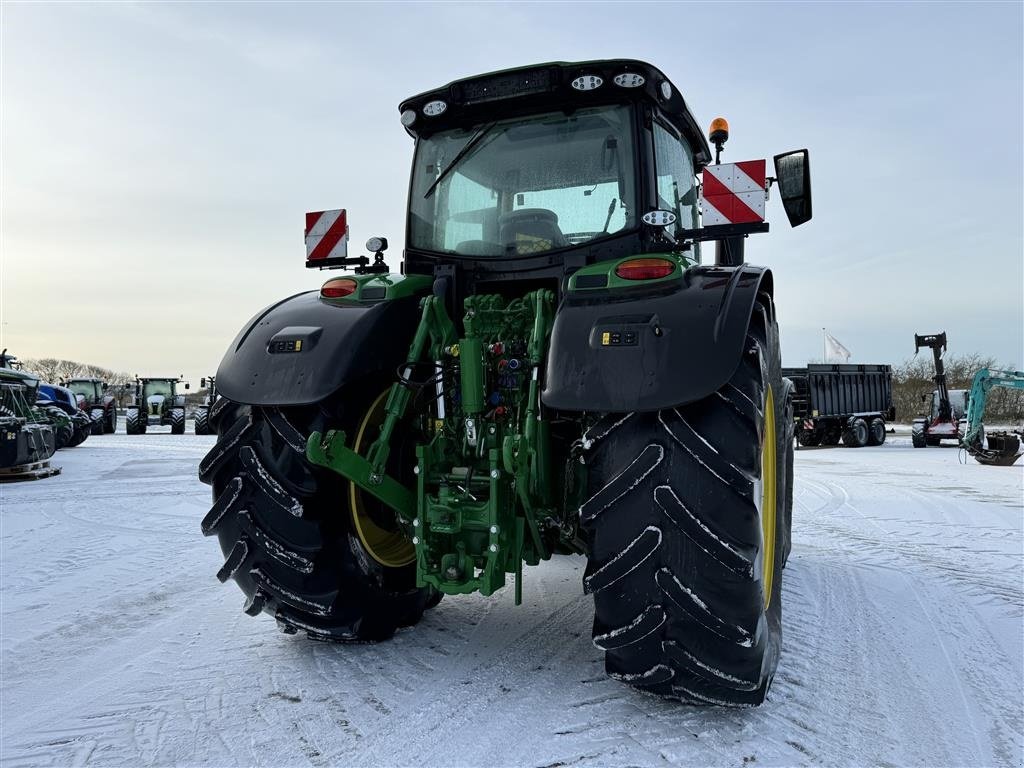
(530,230)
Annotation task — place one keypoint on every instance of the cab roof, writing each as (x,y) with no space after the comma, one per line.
(548,87)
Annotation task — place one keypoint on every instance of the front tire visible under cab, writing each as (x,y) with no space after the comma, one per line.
(686,520)
(287,530)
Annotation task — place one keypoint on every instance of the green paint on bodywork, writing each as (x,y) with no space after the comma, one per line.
(395,287)
(330,451)
(484,481)
(607,268)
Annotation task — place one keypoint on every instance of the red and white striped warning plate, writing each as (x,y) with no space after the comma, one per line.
(326,235)
(733,193)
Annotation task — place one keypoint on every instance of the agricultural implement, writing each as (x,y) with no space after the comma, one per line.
(156,402)
(26,442)
(101,407)
(35,427)
(1003,447)
(560,367)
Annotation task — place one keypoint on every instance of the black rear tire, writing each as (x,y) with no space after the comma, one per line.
(202,421)
(831,436)
(80,435)
(177,421)
(63,429)
(110,421)
(918,437)
(675,534)
(876,431)
(809,438)
(856,434)
(134,422)
(286,529)
(96,415)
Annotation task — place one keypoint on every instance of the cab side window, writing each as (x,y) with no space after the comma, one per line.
(677,191)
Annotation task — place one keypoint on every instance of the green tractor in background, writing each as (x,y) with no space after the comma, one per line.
(558,368)
(156,402)
(94,400)
(202,412)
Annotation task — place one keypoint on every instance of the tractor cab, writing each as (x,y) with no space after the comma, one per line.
(533,171)
(90,389)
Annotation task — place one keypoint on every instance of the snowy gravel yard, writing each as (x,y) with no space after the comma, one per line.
(903,638)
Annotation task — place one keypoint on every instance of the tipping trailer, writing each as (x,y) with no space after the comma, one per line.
(833,402)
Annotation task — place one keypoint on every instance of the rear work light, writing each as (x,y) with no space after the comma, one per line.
(339,287)
(645,269)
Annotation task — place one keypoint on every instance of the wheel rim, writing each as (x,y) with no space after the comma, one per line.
(769,467)
(392,549)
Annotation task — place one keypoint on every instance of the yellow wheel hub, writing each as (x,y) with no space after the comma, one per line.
(389,547)
(769,467)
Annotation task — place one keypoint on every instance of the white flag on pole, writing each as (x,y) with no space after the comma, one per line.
(834,351)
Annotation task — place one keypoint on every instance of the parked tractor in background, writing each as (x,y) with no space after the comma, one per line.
(79,425)
(947,408)
(552,371)
(844,401)
(202,412)
(1003,447)
(101,407)
(156,402)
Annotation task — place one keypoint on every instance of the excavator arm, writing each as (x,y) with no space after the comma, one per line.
(1003,447)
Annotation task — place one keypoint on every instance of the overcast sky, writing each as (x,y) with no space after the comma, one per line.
(157,160)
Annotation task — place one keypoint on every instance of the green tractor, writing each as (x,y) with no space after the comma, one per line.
(202,412)
(558,368)
(156,402)
(94,400)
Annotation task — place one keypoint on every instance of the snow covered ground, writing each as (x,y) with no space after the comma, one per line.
(903,638)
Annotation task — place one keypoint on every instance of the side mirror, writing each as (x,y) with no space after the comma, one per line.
(105,385)
(793,175)
(202,383)
(186,385)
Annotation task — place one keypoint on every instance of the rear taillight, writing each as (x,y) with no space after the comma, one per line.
(645,269)
(338,288)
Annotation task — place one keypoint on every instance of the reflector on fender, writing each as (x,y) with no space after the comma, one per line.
(339,287)
(645,269)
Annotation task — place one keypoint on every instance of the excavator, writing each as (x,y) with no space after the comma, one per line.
(1003,447)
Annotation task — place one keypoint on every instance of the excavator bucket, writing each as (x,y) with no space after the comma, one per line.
(1003,449)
